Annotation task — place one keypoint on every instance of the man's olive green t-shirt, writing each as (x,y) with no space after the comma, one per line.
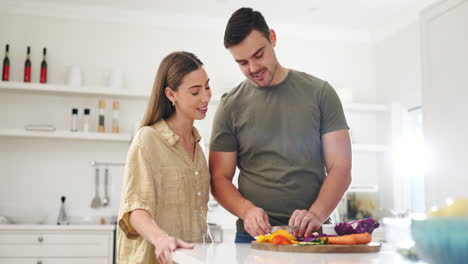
(276,132)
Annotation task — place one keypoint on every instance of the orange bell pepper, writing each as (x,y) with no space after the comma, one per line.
(280,240)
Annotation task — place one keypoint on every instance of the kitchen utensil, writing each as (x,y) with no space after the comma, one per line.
(371,247)
(105,200)
(287,228)
(96,202)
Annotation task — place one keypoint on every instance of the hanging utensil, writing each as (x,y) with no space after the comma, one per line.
(105,200)
(96,202)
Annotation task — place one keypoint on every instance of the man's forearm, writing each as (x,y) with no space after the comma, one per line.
(229,197)
(333,189)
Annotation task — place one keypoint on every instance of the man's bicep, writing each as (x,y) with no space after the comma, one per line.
(336,147)
(222,164)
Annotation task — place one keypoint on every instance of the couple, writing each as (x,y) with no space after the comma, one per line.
(284,129)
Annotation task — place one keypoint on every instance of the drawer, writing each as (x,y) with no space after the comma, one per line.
(53,260)
(56,244)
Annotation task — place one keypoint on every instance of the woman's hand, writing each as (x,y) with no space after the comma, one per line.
(165,245)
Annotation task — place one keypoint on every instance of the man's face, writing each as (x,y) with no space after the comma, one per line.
(256,58)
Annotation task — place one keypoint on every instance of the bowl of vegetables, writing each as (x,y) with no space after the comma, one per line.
(441,236)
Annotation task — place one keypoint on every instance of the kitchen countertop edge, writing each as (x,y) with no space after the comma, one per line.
(57,227)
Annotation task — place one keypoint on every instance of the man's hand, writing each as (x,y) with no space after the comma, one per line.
(307,222)
(166,245)
(256,222)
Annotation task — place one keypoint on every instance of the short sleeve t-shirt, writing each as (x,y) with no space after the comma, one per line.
(277,134)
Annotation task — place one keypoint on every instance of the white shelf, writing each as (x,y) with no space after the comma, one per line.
(369,148)
(66,135)
(20,87)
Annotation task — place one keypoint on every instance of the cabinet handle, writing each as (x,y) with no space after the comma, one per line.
(40,239)
(39,262)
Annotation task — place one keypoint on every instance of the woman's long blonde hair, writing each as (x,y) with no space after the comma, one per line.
(171,71)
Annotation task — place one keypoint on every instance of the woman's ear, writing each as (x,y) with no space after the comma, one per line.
(169,94)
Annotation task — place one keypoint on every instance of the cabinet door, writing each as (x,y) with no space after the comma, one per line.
(54,261)
(56,244)
(445,93)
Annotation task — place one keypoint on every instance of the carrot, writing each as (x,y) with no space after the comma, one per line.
(364,238)
(352,239)
(342,240)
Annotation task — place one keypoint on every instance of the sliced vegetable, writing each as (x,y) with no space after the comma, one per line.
(281,240)
(283,233)
(317,241)
(262,238)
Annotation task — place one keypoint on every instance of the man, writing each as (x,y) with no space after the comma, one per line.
(286,132)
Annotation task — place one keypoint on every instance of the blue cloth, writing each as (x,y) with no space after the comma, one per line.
(243,237)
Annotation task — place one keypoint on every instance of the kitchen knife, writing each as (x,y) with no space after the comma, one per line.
(287,228)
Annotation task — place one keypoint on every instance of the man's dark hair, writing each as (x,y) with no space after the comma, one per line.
(241,23)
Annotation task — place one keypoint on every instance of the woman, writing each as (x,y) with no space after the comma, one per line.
(166,187)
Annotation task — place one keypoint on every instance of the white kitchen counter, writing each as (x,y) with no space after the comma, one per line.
(230,253)
(57,227)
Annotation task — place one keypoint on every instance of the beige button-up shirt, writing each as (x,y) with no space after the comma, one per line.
(161,178)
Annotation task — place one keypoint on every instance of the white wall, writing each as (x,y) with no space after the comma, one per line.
(398,75)
(35,173)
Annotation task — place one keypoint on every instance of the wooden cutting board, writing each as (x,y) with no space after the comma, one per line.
(369,248)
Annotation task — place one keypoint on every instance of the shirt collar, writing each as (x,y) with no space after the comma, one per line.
(168,135)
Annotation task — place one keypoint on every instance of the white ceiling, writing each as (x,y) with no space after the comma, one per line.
(361,15)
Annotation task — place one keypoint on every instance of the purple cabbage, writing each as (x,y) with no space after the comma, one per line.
(356,227)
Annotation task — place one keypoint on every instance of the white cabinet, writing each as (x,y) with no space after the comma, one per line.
(52,260)
(444,41)
(56,244)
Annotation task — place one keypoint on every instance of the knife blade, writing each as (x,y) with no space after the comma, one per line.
(287,228)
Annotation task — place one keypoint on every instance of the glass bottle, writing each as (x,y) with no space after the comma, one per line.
(101,126)
(27,66)
(62,217)
(115,117)
(43,77)
(6,65)
(86,117)
(74,120)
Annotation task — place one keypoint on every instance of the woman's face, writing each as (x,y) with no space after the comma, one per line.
(193,95)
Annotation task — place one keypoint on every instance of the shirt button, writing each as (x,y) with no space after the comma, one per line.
(198,193)
(196,172)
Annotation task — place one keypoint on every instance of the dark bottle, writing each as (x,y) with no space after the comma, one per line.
(43,78)
(6,65)
(27,66)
